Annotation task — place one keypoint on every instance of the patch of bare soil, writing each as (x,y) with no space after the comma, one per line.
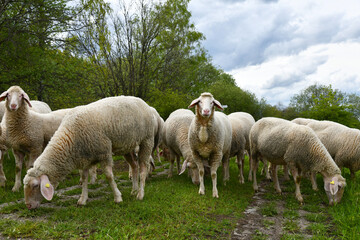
(256,225)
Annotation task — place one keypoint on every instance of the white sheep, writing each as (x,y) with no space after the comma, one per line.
(158,128)
(340,141)
(175,139)
(241,123)
(282,142)
(210,139)
(37,106)
(90,135)
(26,132)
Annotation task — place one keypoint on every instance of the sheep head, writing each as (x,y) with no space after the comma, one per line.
(334,188)
(205,105)
(15,97)
(35,189)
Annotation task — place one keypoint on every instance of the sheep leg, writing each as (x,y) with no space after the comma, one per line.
(250,168)
(226,171)
(84,193)
(240,159)
(133,166)
(172,159)
(273,170)
(215,163)
(144,158)
(2,174)
(297,180)
(92,172)
(178,164)
(32,157)
(286,172)
(200,166)
(19,158)
(110,177)
(254,166)
(313,181)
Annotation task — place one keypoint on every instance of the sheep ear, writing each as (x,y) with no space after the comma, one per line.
(218,105)
(47,190)
(183,167)
(194,102)
(3,96)
(332,186)
(26,98)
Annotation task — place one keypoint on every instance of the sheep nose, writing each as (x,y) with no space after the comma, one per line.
(28,205)
(206,111)
(13,106)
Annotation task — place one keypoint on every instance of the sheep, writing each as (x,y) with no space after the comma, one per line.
(37,106)
(210,139)
(282,142)
(339,140)
(90,135)
(241,123)
(26,132)
(175,139)
(158,128)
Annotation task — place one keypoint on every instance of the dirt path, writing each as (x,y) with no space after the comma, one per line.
(268,218)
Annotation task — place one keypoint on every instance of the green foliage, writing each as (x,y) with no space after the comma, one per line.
(236,99)
(324,103)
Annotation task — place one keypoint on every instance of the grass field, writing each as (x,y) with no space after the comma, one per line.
(171,209)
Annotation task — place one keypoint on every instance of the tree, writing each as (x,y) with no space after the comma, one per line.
(236,99)
(305,100)
(325,103)
(148,49)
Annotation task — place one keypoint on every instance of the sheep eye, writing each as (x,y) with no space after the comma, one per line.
(35,186)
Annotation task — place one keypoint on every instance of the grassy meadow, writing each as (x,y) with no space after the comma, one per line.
(171,209)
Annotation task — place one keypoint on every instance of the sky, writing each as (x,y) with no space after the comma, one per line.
(275,49)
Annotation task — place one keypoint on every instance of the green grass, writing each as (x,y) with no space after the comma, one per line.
(172,208)
(269,210)
(346,214)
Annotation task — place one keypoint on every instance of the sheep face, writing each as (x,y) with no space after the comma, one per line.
(15,97)
(205,105)
(334,188)
(35,189)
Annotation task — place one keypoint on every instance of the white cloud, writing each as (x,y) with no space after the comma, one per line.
(277,48)
(280,78)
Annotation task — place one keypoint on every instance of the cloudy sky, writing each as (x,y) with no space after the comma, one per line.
(277,48)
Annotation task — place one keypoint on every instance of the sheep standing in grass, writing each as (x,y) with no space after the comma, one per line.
(27,132)
(90,135)
(282,142)
(210,139)
(158,128)
(341,142)
(241,124)
(37,106)
(175,139)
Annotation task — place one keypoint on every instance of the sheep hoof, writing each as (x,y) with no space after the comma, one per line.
(2,183)
(201,192)
(140,195)
(118,199)
(215,195)
(16,188)
(134,192)
(81,202)
(241,181)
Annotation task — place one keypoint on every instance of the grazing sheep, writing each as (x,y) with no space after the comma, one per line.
(210,139)
(282,142)
(340,141)
(90,135)
(27,132)
(175,139)
(241,123)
